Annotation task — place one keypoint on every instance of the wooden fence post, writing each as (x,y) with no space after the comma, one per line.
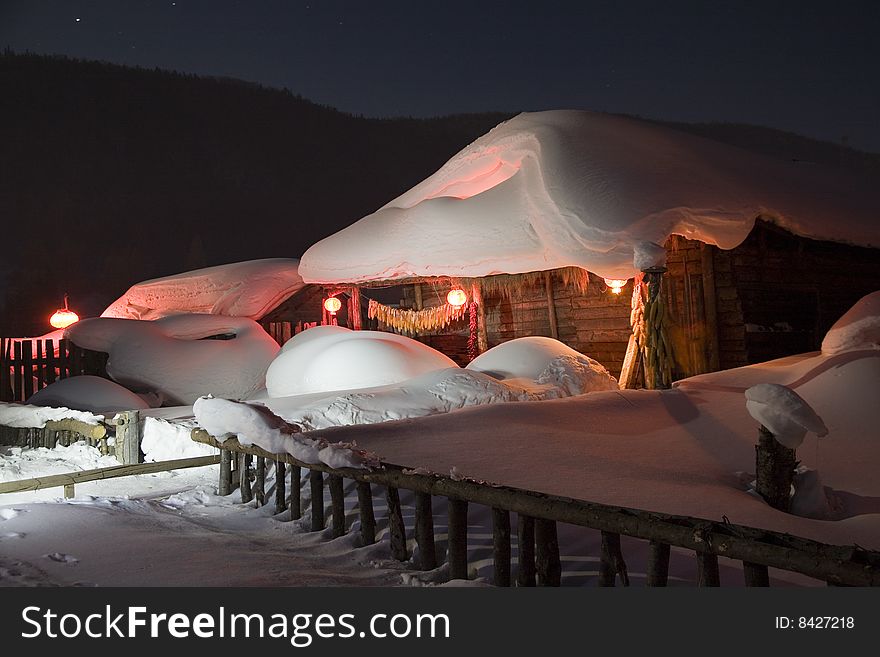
(280,488)
(337,502)
(316,479)
(244,481)
(295,492)
(707,569)
(128,438)
(547,563)
(457,541)
(501,546)
(396,527)
(365,508)
(425,532)
(658,564)
(755,574)
(260,482)
(525,575)
(611,561)
(224,487)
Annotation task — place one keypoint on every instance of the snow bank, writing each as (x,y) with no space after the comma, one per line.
(18,463)
(88,393)
(166,441)
(559,188)
(784,413)
(23,416)
(242,289)
(326,358)
(257,425)
(170,357)
(544,361)
(859,328)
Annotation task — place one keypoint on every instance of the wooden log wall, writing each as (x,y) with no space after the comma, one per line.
(538,549)
(27,366)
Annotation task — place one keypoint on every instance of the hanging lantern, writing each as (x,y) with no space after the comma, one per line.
(456,297)
(63,317)
(332,305)
(615,284)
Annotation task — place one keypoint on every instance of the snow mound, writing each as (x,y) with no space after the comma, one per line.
(242,289)
(784,413)
(544,361)
(23,416)
(166,441)
(170,355)
(573,188)
(257,425)
(320,360)
(859,328)
(88,393)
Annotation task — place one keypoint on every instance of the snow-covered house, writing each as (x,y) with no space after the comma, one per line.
(536,219)
(269,291)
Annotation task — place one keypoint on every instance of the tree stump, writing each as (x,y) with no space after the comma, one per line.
(775,465)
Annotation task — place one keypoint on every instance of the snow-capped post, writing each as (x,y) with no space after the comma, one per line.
(785,419)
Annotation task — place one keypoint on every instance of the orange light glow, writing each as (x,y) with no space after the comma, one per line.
(332,305)
(63,317)
(615,284)
(456,297)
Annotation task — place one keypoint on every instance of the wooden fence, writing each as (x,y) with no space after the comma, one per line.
(281,332)
(27,366)
(536,533)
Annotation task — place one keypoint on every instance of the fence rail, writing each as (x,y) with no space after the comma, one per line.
(27,366)
(536,532)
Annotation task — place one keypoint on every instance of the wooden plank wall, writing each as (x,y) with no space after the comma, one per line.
(27,366)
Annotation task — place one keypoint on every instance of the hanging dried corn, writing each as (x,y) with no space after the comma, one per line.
(650,322)
(415,321)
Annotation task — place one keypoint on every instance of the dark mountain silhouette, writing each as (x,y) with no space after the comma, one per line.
(111,175)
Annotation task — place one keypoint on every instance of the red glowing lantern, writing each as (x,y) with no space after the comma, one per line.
(63,317)
(615,284)
(332,305)
(456,297)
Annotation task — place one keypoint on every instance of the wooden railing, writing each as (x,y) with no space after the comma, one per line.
(27,366)
(538,513)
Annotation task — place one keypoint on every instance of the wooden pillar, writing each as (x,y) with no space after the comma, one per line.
(69,491)
(316,481)
(457,541)
(337,502)
(501,546)
(396,527)
(525,575)
(280,487)
(295,492)
(417,296)
(707,569)
(244,481)
(775,464)
(224,486)
(128,444)
(710,306)
(551,305)
(658,564)
(755,574)
(425,532)
(547,564)
(611,563)
(658,356)
(365,508)
(260,482)
(354,309)
(482,333)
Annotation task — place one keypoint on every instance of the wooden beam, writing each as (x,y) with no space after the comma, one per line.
(551,305)
(93,431)
(99,474)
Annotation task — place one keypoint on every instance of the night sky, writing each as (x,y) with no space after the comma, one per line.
(806,67)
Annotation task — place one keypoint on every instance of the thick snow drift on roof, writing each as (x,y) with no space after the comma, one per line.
(88,393)
(552,189)
(326,358)
(242,289)
(859,328)
(168,356)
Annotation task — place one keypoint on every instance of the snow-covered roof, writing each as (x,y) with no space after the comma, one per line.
(241,289)
(574,188)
